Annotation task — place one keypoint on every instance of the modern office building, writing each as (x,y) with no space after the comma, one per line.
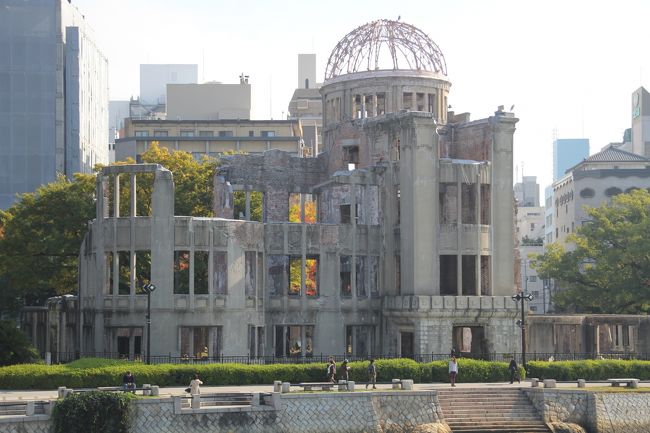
(154,79)
(527,192)
(209,137)
(567,152)
(209,101)
(53,95)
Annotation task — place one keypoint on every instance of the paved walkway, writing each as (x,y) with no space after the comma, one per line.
(171,391)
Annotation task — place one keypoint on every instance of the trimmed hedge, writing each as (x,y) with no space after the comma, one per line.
(589,369)
(91,373)
(92,412)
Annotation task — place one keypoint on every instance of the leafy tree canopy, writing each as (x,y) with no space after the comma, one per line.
(608,271)
(41,236)
(16,348)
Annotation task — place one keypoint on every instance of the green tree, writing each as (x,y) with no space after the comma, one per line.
(608,271)
(16,348)
(193,180)
(40,239)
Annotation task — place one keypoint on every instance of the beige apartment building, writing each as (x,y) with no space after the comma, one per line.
(210,137)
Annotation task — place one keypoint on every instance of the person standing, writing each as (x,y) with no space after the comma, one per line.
(514,371)
(331,371)
(195,385)
(372,374)
(453,370)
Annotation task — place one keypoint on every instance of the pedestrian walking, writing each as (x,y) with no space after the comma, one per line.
(331,371)
(453,370)
(195,385)
(514,371)
(345,371)
(372,374)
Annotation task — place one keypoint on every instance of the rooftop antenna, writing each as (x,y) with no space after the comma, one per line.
(203,66)
(271,97)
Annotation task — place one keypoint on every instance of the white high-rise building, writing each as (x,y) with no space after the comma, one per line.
(53,95)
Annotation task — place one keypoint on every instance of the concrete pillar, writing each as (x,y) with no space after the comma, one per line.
(396,383)
(363,106)
(374,105)
(277,386)
(418,173)
(459,234)
(477,261)
(248,206)
(286,387)
(502,217)
(414,101)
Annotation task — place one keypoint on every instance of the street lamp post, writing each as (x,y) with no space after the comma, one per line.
(521,297)
(148,289)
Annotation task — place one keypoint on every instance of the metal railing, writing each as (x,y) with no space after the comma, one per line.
(65,357)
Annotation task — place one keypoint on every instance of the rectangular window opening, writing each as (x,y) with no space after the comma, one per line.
(201,272)
(142,270)
(181,272)
(220,272)
(346,275)
(124,282)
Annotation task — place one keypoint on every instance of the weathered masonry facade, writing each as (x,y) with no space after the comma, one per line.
(397,238)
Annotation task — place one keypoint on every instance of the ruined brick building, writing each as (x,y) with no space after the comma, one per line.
(397,238)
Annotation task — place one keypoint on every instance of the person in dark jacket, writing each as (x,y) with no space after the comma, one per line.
(514,371)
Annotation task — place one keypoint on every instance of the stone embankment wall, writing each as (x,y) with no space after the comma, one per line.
(604,412)
(377,412)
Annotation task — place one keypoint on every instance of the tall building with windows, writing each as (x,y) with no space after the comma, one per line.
(567,152)
(53,95)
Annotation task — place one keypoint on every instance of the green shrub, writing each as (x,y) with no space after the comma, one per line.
(92,412)
(589,369)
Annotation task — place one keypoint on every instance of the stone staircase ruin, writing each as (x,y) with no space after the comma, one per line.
(468,410)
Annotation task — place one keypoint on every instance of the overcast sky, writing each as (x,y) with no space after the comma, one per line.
(568,66)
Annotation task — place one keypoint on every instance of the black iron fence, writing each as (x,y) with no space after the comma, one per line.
(65,357)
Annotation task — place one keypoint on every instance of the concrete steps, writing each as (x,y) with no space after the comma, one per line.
(469,410)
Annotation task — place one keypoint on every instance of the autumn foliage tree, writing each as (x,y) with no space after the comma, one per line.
(608,271)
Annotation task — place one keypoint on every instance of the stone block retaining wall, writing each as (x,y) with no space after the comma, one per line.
(603,412)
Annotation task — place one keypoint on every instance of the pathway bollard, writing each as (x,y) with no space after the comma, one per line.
(61,391)
(407,384)
(549,383)
(343,385)
(350,385)
(146,389)
(196,401)
(277,386)
(286,387)
(396,384)
(155,390)
(581,383)
(534,382)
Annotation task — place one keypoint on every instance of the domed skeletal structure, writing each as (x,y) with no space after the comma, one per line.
(371,47)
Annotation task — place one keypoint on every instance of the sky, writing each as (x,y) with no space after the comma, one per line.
(569,67)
